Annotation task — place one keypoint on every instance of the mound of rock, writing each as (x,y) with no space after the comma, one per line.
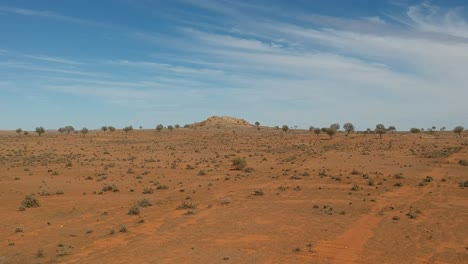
(221,122)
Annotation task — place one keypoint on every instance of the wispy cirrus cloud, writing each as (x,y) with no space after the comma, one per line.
(47,15)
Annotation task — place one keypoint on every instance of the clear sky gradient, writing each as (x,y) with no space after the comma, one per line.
(299,62)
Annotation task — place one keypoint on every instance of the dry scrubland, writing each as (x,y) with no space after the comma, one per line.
(174,197)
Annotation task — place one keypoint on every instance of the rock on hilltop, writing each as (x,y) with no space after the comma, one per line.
(222,122)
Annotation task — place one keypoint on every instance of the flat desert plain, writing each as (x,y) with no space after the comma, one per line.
(175,197)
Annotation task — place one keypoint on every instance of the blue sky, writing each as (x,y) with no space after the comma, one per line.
(298,62)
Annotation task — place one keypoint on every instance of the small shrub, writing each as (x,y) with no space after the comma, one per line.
(258,192)
(249,170)
(463,162)
(40,253)
(19,229)
(134,210)
(123,229)
(147,190)
(30,201)
(110,188)
(144,202)
(186,205)
(239,163)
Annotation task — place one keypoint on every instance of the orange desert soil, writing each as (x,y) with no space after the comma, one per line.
(302,199)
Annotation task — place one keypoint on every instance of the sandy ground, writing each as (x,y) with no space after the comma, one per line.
(295,204)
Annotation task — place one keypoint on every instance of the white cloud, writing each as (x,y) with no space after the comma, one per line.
(427,17)
(52,59)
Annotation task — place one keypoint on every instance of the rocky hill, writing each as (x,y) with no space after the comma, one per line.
(221,122)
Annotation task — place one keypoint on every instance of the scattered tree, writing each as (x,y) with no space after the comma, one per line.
(317,131)
(40,130)
(415,130)
(84,131)
(159,127)
(335,126)
(257,124)
(19,130)
(331,132)
(285,128)
(392,129)
(127,129)
(104,128)
(68,129)
(349,128)
(443,128)
(380,129)
(177,126)
(311,129)
(458,130)
(25,133)
(111,128)
(170,127)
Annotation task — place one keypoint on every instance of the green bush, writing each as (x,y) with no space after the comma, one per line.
(30,201)
(239,163)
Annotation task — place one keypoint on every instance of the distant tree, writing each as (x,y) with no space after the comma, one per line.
(324,129)
(285,128)
(111,128)
(443,128)
(186,126)
(68,129)
(25,133)
(104,128)
(141,127)
(392,129)
(349,128)
(159,127)
(335,126)
(311,129)
(177,126)
(127,129)
(434,128)
(331,132)
(61,130)
(380,129)
(84,131)
(458,130)
(415,130)
(19,130)
(317,131)
(40,130)
(170,127)
(276,127)
(257,124)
